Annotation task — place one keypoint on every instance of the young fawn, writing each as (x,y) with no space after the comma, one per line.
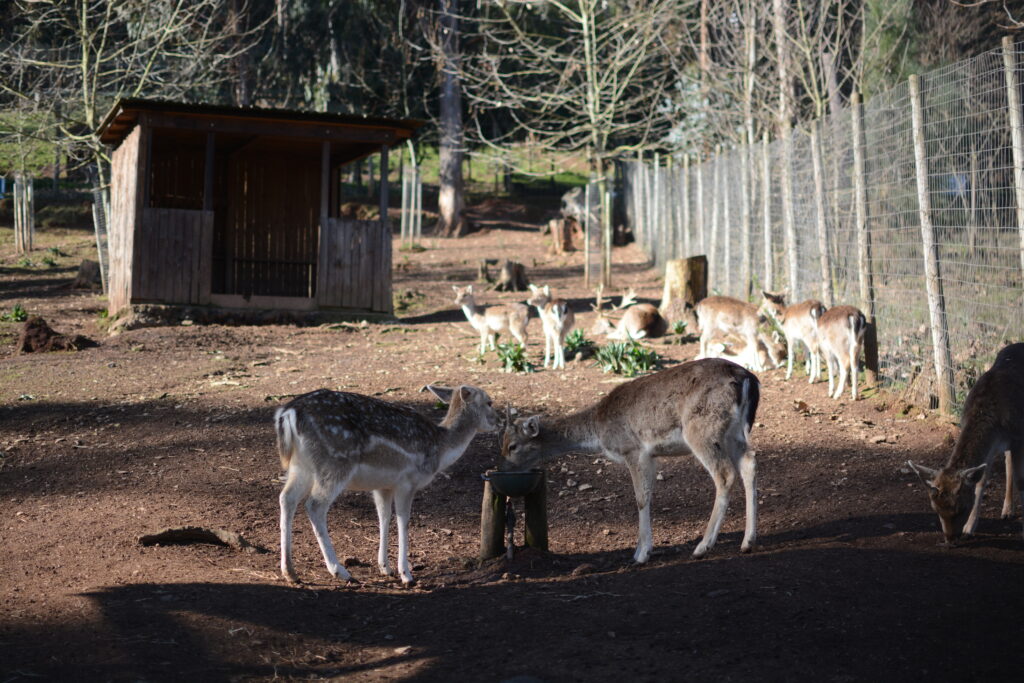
(799,323)
(993,423)
(720,316)
(557,319)
(704,407)
(638,321)
(736,349)
(841,338)
(331,441)
(492,320)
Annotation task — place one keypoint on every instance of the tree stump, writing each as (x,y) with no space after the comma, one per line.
(561,230)
(512,277)
(482,273)
(686,283)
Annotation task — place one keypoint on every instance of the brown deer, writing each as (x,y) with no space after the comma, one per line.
(705,408)
(799,323)
(638,321)
(557,319)
(841,337)
(720,316)
(992,423)
(736,349)
(331,441)
(491,320)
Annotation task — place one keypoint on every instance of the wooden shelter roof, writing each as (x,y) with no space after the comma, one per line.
(252,120)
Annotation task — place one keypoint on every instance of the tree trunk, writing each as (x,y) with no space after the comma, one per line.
(450,197)
(686,283)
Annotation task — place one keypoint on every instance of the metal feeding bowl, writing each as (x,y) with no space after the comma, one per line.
(513,484)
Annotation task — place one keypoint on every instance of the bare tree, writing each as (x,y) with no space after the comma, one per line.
(450,185)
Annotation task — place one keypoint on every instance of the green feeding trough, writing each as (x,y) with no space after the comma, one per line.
(497,512)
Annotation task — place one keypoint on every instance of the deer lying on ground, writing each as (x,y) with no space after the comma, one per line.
(704,408)
(841,338)
(332,441)
(557,319)
(992,423)
(491,320)
(736,349)
(720,316)
(799,323)
(638,321)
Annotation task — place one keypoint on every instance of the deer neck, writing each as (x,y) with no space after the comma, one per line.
(471,310)
(460,428)
(980,440)
(574,433)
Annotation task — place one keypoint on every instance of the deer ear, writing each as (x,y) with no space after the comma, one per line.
(925,474)
(973,475)
(547,291)
(531,426)
(444,394)
(466,393)
(469,289)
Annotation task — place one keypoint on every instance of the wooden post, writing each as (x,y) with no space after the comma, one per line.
(819,204)
(788,217)
(1016,135)
(864,267)
(701,238)
(655,233)
(745,193)
(492,523)
(716,188)
(535,526)
(384,193)
(211,149)
(726,228)
(766,210)
(686,207)
(932,268)
(586,227)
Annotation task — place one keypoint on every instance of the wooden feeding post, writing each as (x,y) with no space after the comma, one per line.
(497,514)
(239,209)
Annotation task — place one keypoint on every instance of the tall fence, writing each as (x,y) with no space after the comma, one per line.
(910,206)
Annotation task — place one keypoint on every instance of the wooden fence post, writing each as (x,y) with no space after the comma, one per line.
(932,268)
(865,277)
(1016,135)
(716,188)
(819,204)
(687,244)
(745,194)
(701,239)
(788,217)
(766,210)
(726,228)
(492,523)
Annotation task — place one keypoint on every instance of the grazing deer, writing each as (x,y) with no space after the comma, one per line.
(719,316)
(799,323)
(557,319)
(704,407)
(736,349)
(492,320)
(637,322)
(332,441)
(841,337)
(992,423)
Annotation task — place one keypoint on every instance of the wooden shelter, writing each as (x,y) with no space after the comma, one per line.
(240,208)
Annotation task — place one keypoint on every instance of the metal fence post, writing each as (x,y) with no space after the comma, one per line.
(864,265)
(819,204)
(932,266)
(1016,135)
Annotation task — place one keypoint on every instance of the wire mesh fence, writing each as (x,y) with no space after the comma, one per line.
(921,224)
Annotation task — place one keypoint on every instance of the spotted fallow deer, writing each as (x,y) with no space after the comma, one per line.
(799,323)
(492,320)
(705,408)
(841,336)
(557,319)
(721,316)
(638,321)
(331,441)
(992,423)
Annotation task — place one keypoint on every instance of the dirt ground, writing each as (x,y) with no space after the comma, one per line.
(166,427)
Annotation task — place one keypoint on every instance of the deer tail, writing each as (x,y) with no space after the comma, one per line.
(285,423)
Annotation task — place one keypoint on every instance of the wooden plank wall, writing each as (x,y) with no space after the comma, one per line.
(124,184)
(174,259)
(357,265)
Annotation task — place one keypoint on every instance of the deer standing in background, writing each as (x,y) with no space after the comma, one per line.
(992,423)
(639,321)
(720,316)
(841,337)
(799,323)
(705,408)
(331,441)
(557,319)
(491,320)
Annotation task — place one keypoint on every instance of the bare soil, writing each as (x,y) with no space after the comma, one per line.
(167,427)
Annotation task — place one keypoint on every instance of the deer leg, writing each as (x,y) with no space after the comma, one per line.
(790,352)
(1008,496)
(723,472)
(642,471)
(547,350)
(853,376)
(972,520)
(383,499)
(748,473)
(317,505)
(403,511)
(1017,457)
(296,487)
